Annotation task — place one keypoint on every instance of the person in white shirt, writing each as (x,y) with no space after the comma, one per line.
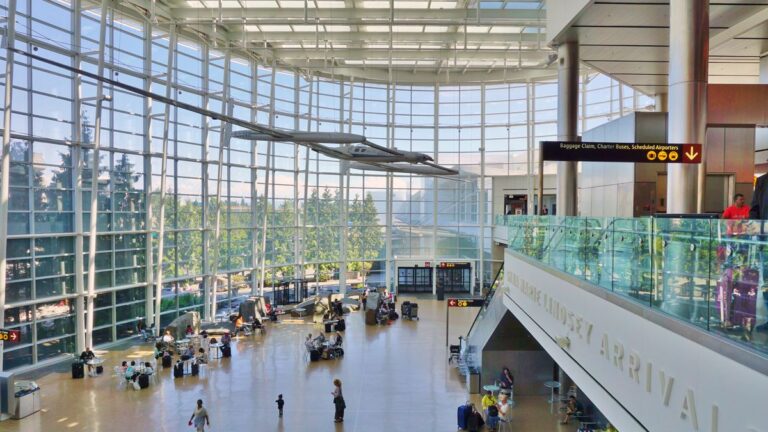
(503,406)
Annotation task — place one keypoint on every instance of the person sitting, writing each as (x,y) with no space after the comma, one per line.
(226,339)
(148,369)
(168,341)
(168,338)
(202,357)
(338,341)
(573,408)
(239,321)
(188,353)
(190,331)
(506,380)
(85,357)
(123,367)
(308,343)
(158,350)
(130,372)
(319,339)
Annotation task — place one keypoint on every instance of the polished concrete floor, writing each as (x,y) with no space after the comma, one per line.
(396,378)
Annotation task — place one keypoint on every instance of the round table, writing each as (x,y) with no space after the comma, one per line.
(217,346)
(493,388)
(552,385)
(95,363)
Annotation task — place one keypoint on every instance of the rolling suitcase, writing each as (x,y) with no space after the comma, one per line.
(370,317)
(77,370)
(195,369)
(314,355)
(341,325)
(143,381)
(99,370)
(328,327)
(462,416)
(414,311)
(166,361)
(226,351)
(178,370)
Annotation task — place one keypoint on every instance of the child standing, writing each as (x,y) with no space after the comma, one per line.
(280,403)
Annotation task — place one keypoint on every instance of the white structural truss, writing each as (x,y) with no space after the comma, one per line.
(405,41)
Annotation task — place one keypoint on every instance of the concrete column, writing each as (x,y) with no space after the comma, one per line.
(763,70)
(688,69)
(567,123)
(662,102)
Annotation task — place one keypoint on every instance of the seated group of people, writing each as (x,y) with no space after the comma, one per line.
(325,350)
(386,313)
(242,326)
(132,371)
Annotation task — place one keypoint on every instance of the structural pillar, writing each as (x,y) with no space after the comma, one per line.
(688,69)
(567,123)
(661,102)
(5,158)
(763,79)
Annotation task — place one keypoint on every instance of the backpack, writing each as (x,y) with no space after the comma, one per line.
(493,411)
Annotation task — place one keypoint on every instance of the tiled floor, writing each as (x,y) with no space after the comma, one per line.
(396,378)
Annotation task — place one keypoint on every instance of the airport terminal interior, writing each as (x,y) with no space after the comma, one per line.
(384,215)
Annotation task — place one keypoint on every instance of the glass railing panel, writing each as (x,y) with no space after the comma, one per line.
(594,248)
(631,258)
(738,304)
(708,272)
(683,268)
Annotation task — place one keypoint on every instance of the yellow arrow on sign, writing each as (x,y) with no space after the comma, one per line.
(691,154)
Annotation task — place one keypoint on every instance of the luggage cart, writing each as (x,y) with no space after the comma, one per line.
(409,310)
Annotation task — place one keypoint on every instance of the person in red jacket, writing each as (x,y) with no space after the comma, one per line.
(738,210)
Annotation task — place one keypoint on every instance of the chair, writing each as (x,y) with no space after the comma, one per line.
(120,376)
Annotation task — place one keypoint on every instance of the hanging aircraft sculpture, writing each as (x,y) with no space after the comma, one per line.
(362,155)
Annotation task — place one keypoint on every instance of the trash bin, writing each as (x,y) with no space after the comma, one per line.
(27,399)
(473,381)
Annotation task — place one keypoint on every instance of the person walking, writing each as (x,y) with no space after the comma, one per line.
(280,403)
(199,417)
(338,401)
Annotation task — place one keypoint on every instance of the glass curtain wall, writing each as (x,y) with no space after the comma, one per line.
(311,220)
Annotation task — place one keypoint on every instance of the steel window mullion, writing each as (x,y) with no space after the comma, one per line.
(95,154)
(226,109)
(158,285)
(270,145)
(254,179)
(5,164)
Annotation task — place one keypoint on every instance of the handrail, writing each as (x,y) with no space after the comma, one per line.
(487,299)
(711,273)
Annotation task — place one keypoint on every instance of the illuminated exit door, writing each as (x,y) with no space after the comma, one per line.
(453,278)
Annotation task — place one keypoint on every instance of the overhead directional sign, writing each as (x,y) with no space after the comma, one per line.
(620,152)
(465,302)
(12,336)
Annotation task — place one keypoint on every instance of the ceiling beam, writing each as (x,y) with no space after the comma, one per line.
(405,75)
(739,28)
(381,37)
(401,16)
(400,54)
